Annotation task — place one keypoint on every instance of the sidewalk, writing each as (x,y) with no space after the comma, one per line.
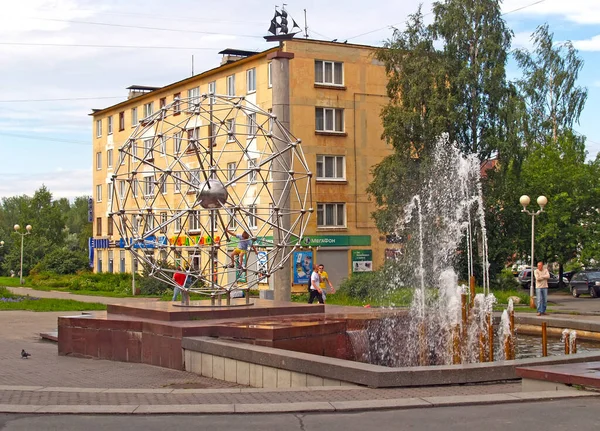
(48,383)
(54,294)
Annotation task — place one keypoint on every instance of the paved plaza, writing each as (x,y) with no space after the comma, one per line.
(47,382)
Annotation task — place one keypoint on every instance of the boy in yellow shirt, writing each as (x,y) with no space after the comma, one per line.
(324,280)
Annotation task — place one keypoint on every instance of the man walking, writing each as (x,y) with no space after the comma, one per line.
(315,288)
(324,281)
(541,287)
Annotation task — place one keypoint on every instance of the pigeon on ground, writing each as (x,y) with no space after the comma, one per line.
(24,354)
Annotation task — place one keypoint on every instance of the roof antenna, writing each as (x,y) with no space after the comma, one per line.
(192,64)
(305,26)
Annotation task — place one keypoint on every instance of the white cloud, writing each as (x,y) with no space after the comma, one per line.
(62,183)
(577,11)
(592,44)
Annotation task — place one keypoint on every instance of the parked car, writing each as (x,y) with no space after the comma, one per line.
(524,279)
(587,281)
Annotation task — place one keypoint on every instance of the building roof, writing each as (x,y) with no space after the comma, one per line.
(227,51)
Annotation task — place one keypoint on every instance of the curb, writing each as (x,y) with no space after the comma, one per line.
(306,407)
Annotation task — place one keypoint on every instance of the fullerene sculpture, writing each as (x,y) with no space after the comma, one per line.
(197,174)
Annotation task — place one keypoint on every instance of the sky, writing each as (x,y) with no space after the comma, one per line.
(62,58)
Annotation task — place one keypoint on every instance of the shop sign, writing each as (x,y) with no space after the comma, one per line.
(362,260)
(302,266)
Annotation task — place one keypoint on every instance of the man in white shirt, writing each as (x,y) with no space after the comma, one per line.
(541,287)
(315,288)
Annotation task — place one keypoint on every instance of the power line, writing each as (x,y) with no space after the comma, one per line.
(82,45)
(523,7)
(144,27)
(45,138)
(430,12)
(168,18)
(59,100)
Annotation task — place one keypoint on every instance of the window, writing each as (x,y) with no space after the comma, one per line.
(122,260)
(270,83)
(177,181)
(177,143)
(231,85)
(231,168)
(98,128)
(110,226)
(230,130)
(148,109)
(121,121)
(109,158)
(331,215)
(162,102)
(148,149)
(134,187)
(330,167)
(252,217)
(163,184)
(99,193)
(212,89)
(329,72)
(329,120)
(149,222)
(177,226)
(212,137)
(193,95)
(176,103)
(163,145)
(251,125)
(99,261)
(121,189)
(98,226)
(195,179)
(110,261)
(251,80)
(163,223)
(232,223)
(251,165)
(192,135)
(149,185)
(134,117)
(109,192)
(98,161)
(194,220)
(134,148)
(109,128)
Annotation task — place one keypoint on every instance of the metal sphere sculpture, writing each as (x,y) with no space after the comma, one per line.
(203,178)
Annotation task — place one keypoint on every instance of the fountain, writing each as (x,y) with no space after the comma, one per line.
(436,221)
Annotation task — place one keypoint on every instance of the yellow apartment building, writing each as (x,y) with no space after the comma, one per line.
(333,95)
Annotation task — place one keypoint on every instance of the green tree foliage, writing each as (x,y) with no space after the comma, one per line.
(475,42)
(548,85)
(52,222)
(418,112)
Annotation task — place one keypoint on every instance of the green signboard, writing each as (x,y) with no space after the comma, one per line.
(362,260)
(319,241)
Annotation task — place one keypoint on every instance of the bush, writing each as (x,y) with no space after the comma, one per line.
(361,285)
(62,261)
(84,280)
(505,281)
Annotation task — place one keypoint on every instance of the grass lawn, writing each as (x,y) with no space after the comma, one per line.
(9,301)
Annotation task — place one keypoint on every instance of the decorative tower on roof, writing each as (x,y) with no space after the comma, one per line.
(280,26)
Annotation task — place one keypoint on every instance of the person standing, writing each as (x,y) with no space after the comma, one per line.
(541,287)
(315,286)
(324,281)
(180,278)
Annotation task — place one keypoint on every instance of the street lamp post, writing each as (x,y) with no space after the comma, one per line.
(1,244)
(542,201)
(27,232)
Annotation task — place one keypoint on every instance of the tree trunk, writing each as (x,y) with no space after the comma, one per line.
(560,275)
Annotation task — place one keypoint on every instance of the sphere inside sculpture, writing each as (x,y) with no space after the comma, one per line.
(212,194)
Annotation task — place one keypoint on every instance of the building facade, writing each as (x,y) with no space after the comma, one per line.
(334,93)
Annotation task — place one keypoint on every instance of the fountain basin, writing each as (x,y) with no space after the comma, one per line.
(261,366)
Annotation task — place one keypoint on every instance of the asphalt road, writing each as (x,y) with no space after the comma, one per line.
(576,414)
